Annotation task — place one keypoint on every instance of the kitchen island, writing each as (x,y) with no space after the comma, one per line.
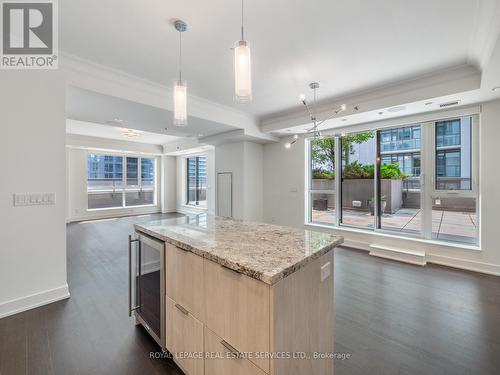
(244,297)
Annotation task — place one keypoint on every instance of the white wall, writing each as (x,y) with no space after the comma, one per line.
(76,153)
(33,238)
(244,160)
(168,184)
(284,172)
(284,183)
(230,158)
(253,184)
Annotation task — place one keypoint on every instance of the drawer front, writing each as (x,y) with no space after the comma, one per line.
(221,361)
(185,339)
(185,280)
(237,309)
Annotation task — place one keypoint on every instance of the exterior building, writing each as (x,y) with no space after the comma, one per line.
(403,146)
(196,180)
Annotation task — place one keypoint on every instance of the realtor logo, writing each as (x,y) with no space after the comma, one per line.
(29,35)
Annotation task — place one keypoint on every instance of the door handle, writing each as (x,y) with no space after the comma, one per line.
(231,348)
(182,309)
(130,308)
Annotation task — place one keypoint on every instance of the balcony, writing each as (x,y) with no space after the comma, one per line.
(448,140)
(401,145)
(453,218)
(109,193)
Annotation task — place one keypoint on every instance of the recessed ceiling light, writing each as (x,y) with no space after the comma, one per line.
(130,133)
(397,109)
(496,88)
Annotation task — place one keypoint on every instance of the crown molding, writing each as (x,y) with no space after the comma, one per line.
(444,82)
(486,33)
(99,78)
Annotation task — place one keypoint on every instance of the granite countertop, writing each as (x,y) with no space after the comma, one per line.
(264,252)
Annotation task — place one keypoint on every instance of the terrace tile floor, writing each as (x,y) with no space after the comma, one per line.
(446,225)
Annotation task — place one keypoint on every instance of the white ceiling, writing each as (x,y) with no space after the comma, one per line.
(91,107)
(116,132)
(346,45)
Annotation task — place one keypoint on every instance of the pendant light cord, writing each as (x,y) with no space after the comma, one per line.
(242,31)
(180,57)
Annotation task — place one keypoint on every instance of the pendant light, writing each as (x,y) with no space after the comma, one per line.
(313,111)
(180,87)
(242,67)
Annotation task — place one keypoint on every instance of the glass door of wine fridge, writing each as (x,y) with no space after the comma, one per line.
(147,285)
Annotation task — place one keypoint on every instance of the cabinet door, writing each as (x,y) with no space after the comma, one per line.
(185,338)
(238,310)
(221,361)
(185,280)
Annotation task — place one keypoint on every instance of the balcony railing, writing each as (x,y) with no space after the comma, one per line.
(448,140)
(401,145)
(115,185)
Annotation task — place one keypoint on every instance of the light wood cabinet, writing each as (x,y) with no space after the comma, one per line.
(302,319)
(185,338)
(213,309)
(221,361)
(237,309)
(185,280)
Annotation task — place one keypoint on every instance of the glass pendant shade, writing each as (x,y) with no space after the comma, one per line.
(242,72)
(180,103)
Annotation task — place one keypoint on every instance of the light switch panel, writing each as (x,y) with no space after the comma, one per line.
(34,199)
(325,271)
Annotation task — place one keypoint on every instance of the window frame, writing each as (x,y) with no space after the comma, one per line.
(196,202)
(427,180)
(123,189)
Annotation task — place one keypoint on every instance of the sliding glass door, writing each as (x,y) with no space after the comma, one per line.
(358,179)
(418,180)
(454,193)
(322,183)
(399,157)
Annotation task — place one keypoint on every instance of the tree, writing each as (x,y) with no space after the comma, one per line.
(323,153)
(350,139)
(323,149)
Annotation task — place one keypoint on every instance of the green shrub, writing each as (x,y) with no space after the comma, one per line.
(356,170)
(323,174)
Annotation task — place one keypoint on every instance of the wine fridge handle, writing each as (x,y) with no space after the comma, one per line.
(130,241)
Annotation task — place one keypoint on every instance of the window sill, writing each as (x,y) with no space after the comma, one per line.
(404,238)
(120,208)
(191,206)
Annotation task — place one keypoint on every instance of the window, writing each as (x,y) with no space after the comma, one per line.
(196,184)
(358,173)
(118,181)
(448,133)
(382,174)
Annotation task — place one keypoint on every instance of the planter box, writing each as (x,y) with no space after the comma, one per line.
(362,190)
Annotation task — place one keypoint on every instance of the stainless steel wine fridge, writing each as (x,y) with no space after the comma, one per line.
(147,284)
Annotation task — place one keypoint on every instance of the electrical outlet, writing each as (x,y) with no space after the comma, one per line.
(34,199)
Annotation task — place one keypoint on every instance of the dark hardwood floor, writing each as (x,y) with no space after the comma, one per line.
(391,318)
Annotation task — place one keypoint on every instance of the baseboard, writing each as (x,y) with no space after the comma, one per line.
(34,300)
(401,255)
(459,263)
(110,215)
(465,264)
